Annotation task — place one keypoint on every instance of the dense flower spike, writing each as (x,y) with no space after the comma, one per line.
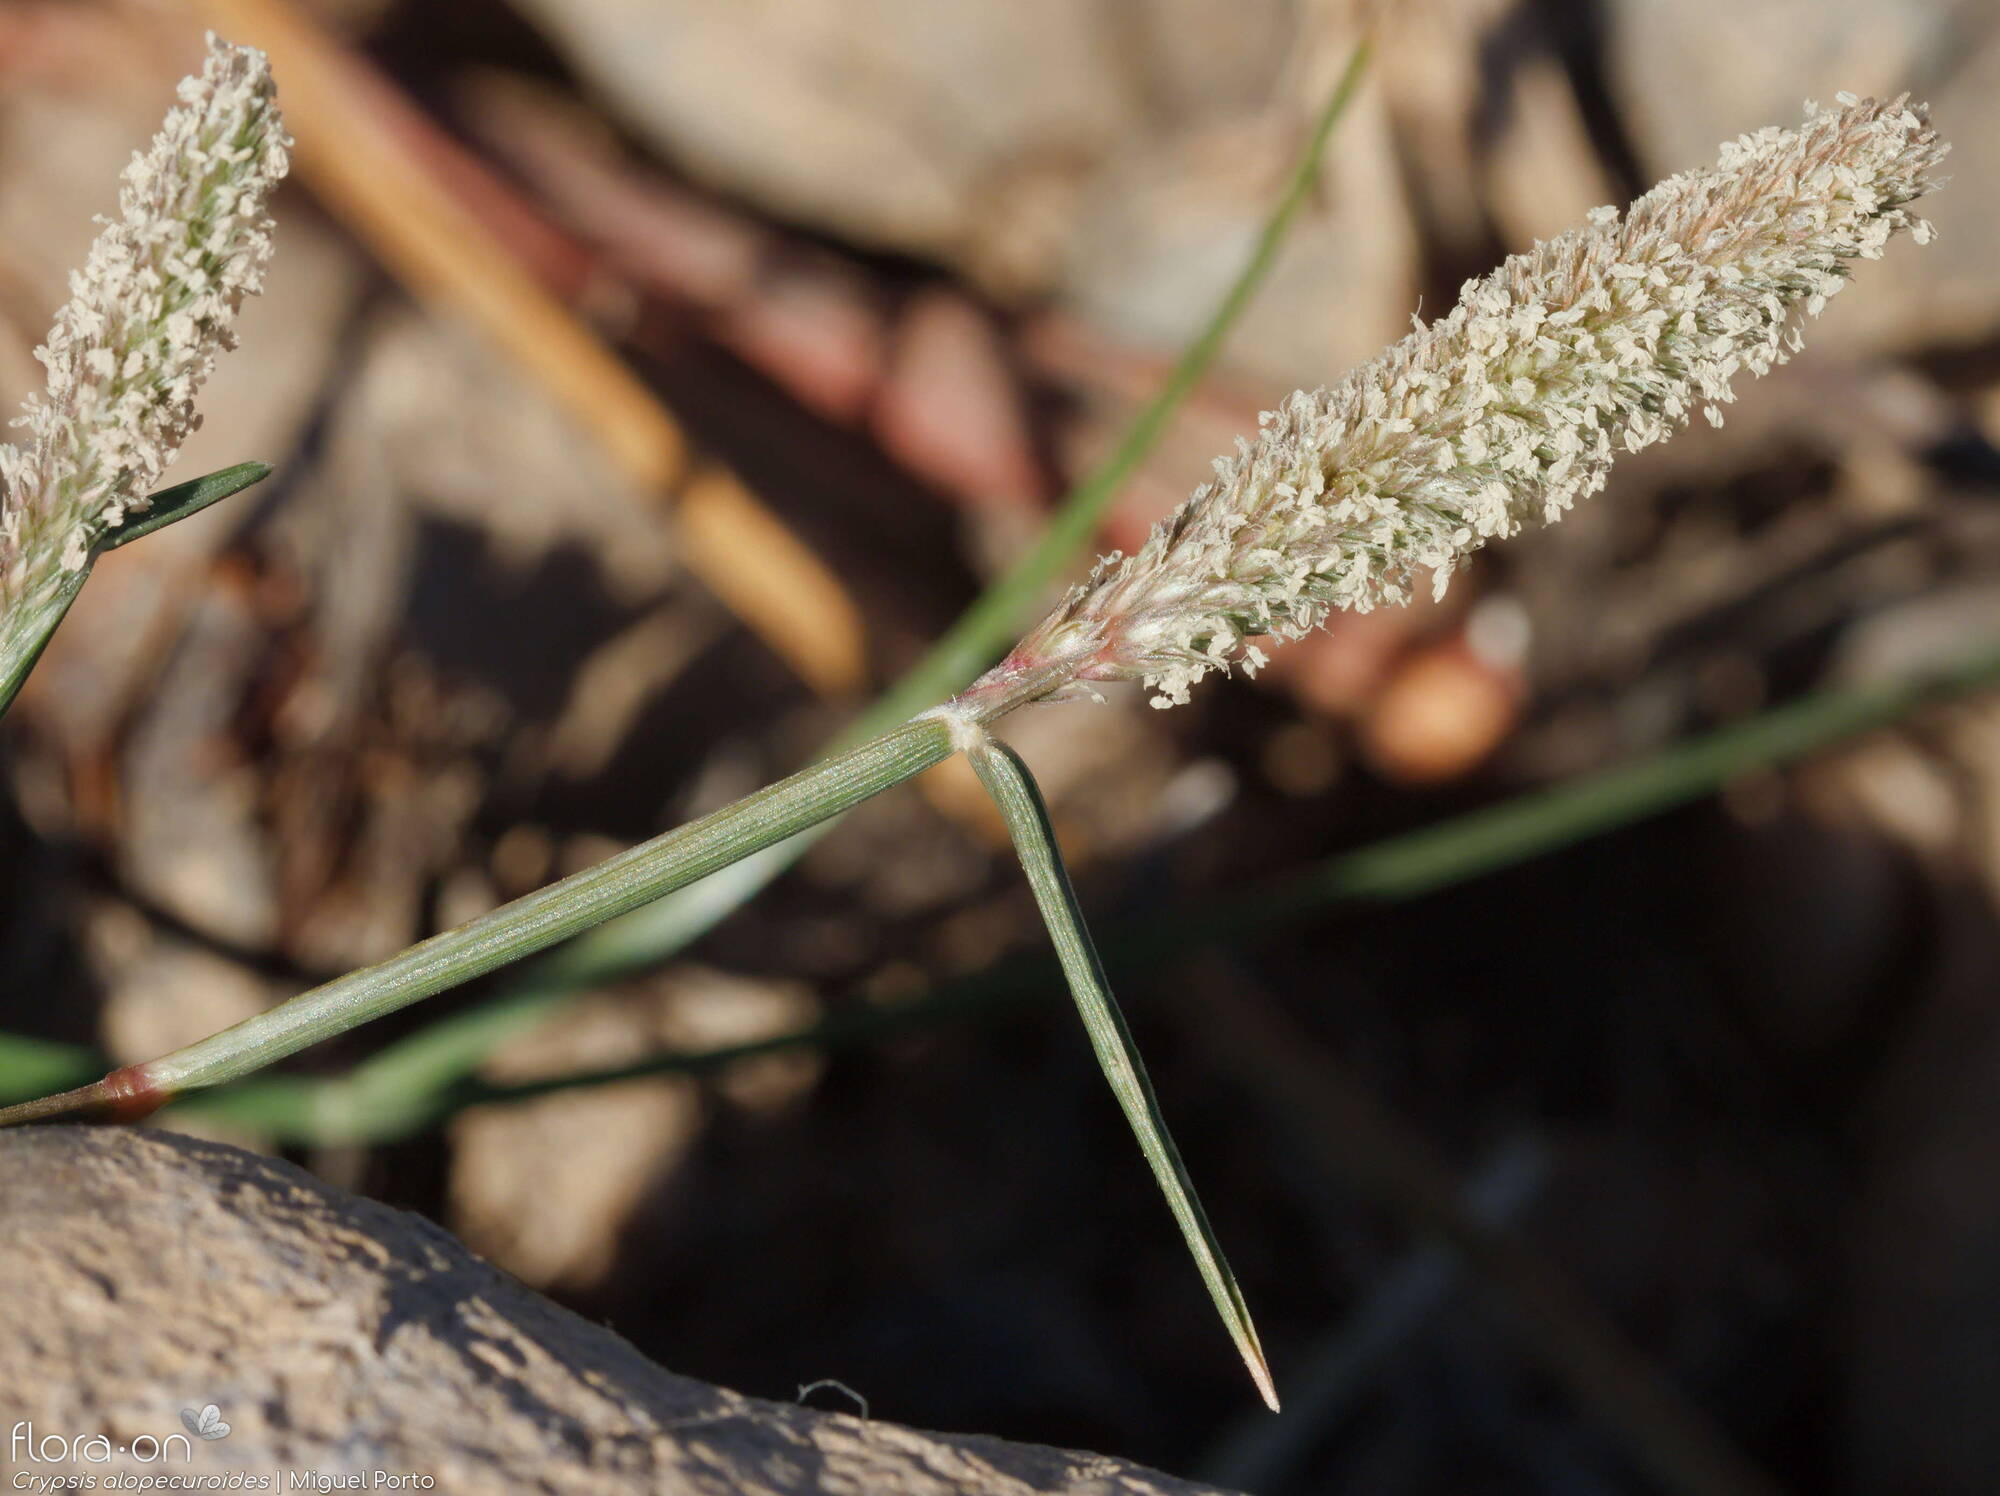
(147,316)
(1501,414)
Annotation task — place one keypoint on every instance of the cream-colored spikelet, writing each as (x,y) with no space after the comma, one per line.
(1502,413)
(148,313)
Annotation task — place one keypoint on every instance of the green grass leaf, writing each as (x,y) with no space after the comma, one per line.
(25,644)
(172,505)
(1014,790)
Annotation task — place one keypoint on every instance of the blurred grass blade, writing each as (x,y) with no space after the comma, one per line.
(990,625)
(171,505)
(1402,867)
(409,1084)
(33,1067)
(1014,790)
(443,1056)
(164,508)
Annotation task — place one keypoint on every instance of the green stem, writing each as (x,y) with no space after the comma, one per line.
(991,623)
(529,924)
(1019,798)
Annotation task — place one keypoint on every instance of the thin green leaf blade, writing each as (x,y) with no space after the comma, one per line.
(1014,790)
(24,637)
(171,505)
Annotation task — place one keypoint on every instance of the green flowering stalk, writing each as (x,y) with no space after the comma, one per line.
(1504,412)
(147,316)
(1501,414)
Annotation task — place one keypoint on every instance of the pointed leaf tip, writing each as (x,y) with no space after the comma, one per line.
(170,505)
(1020,803)
(1260,1373)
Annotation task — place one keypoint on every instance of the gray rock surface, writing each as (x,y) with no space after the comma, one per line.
(1119,158)
(146,1275)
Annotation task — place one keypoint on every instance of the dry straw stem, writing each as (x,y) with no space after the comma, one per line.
(1505,411)
(147,316)
(352,129)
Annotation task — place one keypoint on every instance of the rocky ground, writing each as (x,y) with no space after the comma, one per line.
(301,1332)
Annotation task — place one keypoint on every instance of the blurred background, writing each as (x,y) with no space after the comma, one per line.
(650,383)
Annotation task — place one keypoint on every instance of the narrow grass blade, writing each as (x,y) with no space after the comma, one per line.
(22,641)
(992,623)
(171,505)
(1014,790)
(28,1067)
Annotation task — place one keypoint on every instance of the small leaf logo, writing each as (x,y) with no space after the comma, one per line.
(207,1424)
